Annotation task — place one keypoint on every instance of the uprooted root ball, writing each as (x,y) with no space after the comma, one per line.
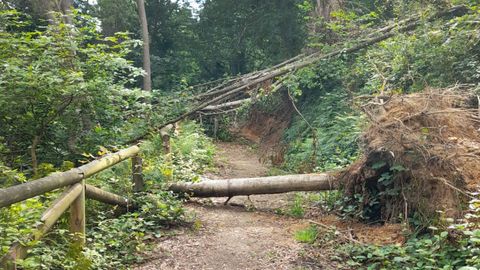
(421,156)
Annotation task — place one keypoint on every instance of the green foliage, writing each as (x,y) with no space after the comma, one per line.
(191,154)
(296,208)
(240,36)
(17,221)
(115,239)
(62,88)
(434,252)
(455,247)
(10,177)
(308,235)
(438,54)
(324,104)
(327,200)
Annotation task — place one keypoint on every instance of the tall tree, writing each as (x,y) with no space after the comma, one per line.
(147,80)
(41,9)
(239,36)
(323,8)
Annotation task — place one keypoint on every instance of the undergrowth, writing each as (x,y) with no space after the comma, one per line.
(324,137)
(456,246)
(452,245)
(115,239)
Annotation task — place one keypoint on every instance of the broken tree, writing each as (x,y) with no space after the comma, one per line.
(234,87)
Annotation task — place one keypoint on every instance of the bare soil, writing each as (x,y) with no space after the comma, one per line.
(235,236)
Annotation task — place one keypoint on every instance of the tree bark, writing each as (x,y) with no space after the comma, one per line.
(66,8)
(227,104)
(258,185)
(45,9)
(147,80)
(33,154)
(137,176)
(323,8)
(100,195)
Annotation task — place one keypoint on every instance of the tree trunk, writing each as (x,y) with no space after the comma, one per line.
(45,9)
(66,8)
(33,154)
(324,8)
(147,80)
(227,104)
(258,185)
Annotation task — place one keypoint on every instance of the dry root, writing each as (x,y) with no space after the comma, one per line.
(421,155)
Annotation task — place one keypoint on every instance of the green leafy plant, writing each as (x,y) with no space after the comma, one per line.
(453,247)
(296,208)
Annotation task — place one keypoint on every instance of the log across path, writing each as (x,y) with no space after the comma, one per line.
(248,233)
(256,185)
(233,237)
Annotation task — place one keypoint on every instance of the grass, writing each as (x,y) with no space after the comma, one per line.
(308,235)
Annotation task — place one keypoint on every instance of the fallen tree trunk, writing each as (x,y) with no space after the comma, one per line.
(226,105)
(257,185)
(239,80)
(252,79)
(311,59)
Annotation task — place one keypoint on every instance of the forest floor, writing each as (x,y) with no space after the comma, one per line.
(246,233)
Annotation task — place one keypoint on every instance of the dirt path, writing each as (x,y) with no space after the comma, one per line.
(234,237)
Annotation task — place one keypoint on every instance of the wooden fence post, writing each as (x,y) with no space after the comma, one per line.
(165,134)
(137,177)
(77,217)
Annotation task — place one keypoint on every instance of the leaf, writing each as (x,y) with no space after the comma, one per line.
(398,168)
(425,130)
(378,165)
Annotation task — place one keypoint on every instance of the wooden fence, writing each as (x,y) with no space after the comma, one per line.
(73,198)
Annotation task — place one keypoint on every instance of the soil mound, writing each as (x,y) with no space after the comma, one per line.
(266,128)
(421,156)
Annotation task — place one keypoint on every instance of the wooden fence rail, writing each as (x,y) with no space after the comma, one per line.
(72,198)
(40,186)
